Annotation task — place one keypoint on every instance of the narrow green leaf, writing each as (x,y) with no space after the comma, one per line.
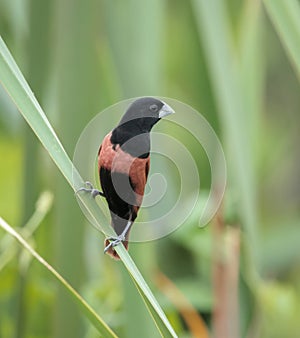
(151,302)
(17,88)
(251,57)
(285,16)
(214,29)
(97,321)
(8,250)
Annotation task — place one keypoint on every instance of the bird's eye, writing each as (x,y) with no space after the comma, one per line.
(154,107)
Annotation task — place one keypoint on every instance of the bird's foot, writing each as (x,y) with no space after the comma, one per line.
(114,241)
(89,188)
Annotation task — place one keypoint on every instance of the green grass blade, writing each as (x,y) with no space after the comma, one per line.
(70,92)
(7,248)
(12,78)
(285,16)
(214,29)
(157,314)
(17,88)
(251,57)
(98,322)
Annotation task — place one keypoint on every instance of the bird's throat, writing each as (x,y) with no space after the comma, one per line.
(132,141)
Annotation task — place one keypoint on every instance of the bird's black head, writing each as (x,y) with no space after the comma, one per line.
(143,113)
(139,119)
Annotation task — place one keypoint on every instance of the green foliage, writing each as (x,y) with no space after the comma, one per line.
(103,329)
(285,15)
(17,87)
(238,63)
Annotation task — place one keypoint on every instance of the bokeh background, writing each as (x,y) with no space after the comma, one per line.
(237,277)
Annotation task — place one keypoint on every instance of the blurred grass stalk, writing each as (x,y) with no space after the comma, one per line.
(75,65)
(215,31)
(252,73)
(7,248)
(225,275)
(196,325)
(285,17)
(38,63)
(234,88)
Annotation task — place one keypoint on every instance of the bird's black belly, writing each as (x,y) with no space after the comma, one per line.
(120,196)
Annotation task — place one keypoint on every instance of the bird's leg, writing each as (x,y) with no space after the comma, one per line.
(89,188)
(114,241)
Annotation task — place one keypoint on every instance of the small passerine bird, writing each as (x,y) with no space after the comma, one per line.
(123,164)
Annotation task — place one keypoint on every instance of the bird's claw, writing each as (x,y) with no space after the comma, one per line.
(114,241)
(89,188)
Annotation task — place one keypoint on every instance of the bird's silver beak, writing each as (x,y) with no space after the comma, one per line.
(165,111)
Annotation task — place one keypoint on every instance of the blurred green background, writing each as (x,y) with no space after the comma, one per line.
(239,276)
